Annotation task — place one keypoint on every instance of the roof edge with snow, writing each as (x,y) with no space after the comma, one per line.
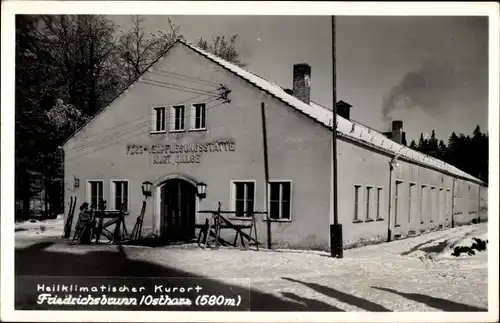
(345,128)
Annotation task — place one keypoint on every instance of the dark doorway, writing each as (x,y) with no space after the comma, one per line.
(178,209)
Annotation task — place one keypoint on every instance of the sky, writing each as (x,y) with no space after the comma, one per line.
(429,72)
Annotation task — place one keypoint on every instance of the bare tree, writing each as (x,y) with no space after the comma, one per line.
(83,51)
(223,48)
(138,49)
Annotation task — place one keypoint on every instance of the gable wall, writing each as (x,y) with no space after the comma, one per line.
(295,143)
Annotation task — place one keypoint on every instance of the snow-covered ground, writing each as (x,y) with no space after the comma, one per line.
(34,228)
(414,274)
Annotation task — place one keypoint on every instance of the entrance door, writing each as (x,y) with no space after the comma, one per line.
(178,204)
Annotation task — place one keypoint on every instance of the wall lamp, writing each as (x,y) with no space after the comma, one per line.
(146,188)
(394,163)
(202,189)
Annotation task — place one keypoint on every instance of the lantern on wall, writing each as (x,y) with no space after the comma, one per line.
(76,182)
(202,190)
(394,163)
(146,188)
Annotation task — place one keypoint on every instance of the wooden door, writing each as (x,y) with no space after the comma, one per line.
(178,202)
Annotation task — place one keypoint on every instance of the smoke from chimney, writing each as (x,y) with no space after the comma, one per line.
(434,88)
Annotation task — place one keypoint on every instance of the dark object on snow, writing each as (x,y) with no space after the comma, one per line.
(69,220)
(459,250)
(479,245)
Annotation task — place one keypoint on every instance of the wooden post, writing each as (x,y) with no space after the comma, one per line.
(100,226)
(143,211)
(203,231)
(217,227)
(117,234)
(255,229)
(136,231)
(266,173)
(125,231)
(69,221)
(65,230)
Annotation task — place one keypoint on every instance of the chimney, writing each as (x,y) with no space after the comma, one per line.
(344,109)
(302,82)
(397,131)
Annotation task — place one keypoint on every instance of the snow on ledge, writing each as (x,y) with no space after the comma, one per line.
(322,115)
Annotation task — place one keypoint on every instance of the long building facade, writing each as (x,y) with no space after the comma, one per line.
(193,120)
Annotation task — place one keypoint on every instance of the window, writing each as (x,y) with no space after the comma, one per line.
(94,193)
(159,119)
(244,193)
(178,118)
(356,202)
(441,202)
(423,194)
(367,197)
(448,204)
(472,202)
(379,205)
(411,194)
(279,200)
(199,113)
(431,204)
(397,193)
(119,193)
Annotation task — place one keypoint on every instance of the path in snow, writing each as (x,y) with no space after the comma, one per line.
(415,274)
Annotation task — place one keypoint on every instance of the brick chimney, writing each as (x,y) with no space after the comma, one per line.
(302,82)
(344,109)
(397,131)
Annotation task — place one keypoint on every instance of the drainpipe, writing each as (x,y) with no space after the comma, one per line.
(266,174)
(389,231)
(453,203)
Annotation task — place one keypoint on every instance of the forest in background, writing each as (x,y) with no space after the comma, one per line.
(70,67)
(468,153)
(67,69)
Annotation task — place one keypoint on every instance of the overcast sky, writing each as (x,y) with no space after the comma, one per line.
(430,72)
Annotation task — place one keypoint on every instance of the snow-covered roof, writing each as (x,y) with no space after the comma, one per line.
(345,128)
